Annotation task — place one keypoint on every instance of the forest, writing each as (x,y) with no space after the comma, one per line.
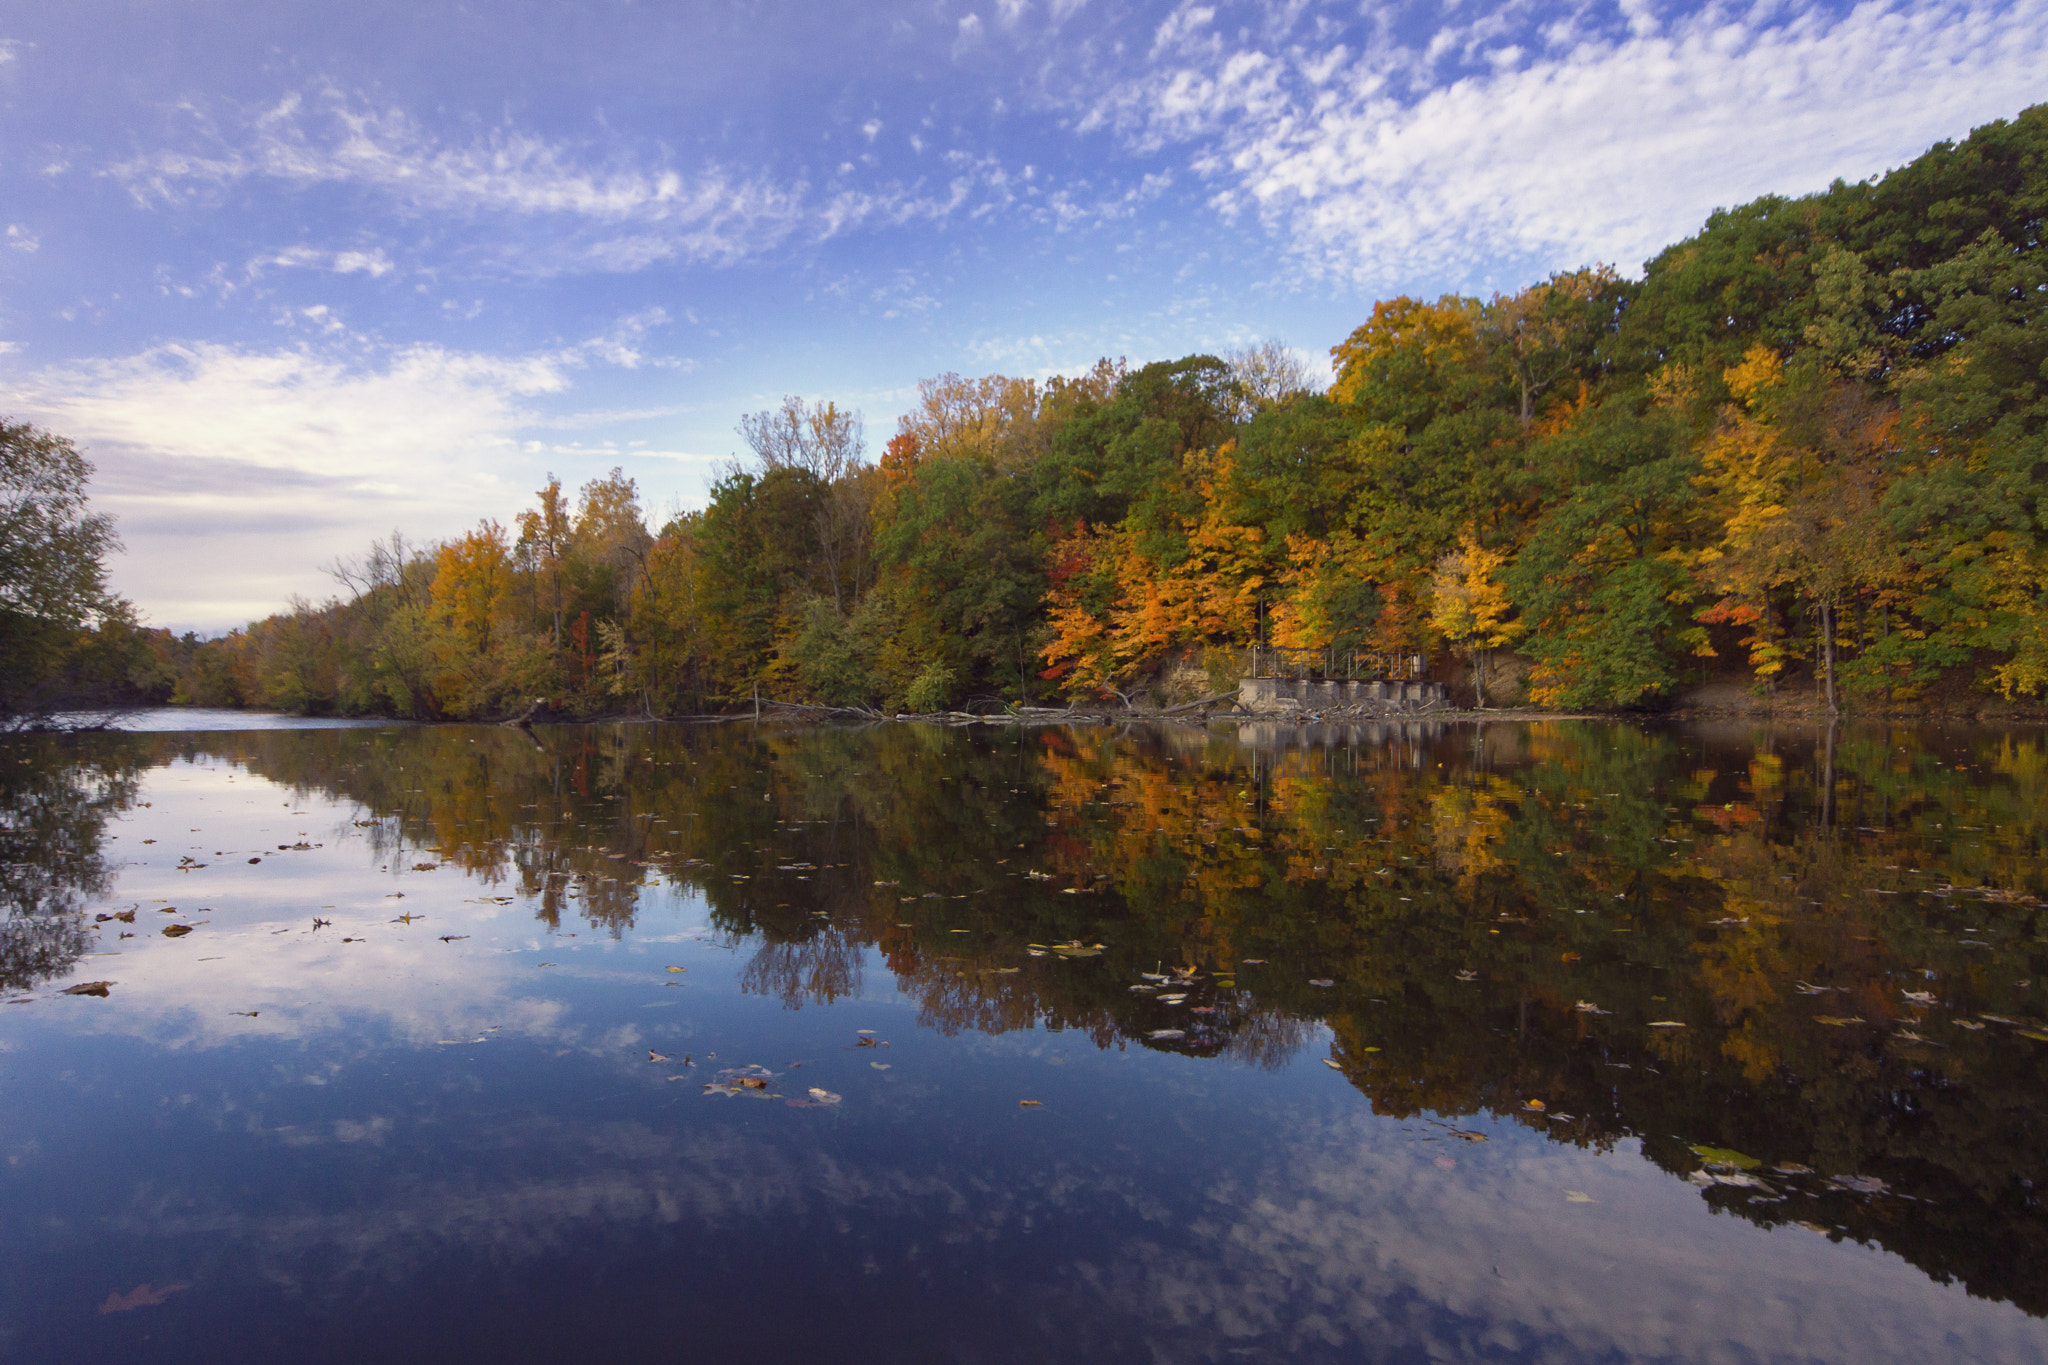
(1807,450)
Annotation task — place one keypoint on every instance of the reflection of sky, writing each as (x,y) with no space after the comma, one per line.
(352,1141)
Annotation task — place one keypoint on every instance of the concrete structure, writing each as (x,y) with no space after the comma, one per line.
(1308,694)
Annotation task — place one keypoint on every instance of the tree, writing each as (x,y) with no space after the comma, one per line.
(53,579)
(1469,605)
(830,445)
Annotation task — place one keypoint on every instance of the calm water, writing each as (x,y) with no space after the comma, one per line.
(1568,1042)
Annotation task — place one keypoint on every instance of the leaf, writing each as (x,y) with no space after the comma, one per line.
(879,1066)
(1578,1197)
(1332,1063)
(1723,1156)
(177,930)
(453,938)
(1029,1104)
(141,1296)
(1667,1023)
(820,1096)
(1466,1135)
(1322,981)
(1161,1034)
(1534,1106)
(99,988)
(2035,1034)
(1836,1020)
(757,1083)
(678,969)
(654,1056)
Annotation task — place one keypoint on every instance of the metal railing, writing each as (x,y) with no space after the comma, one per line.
(1272,661)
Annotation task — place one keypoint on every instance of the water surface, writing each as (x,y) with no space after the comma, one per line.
(1536,1042)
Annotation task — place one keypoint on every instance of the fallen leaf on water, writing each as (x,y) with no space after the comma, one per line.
(879,1066)
(1859,1184)
(550,964)
(1164,1033)
(1578,1197)
(1588,1007)
(141,1296)
(177,930)
(1919,997)
(1667,1023)
(246,1014)
(678,969)
(1534,1106)
(1467,1136)
(2036,1035)
(1323,981)
(1468,976)
(125,916)
(1254,962)
(1568,957)
(88,988)
(654,1056)
(1836,1020)
(1970,1024)
(820,1096)
(1332,1064)
(453,938)
(1724,1156)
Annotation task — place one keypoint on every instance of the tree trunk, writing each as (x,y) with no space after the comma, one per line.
(1827,625)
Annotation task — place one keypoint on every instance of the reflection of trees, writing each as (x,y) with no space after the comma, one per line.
(823,967)
(56,794)
(1463,899)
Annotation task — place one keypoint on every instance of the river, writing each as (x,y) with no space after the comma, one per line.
(1525,1041)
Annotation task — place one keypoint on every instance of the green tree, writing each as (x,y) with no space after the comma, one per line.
(53,578)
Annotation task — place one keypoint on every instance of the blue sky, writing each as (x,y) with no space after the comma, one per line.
(297,275)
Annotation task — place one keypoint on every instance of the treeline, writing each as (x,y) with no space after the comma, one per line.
(1808,445)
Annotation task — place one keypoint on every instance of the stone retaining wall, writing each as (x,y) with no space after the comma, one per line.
(1305,694)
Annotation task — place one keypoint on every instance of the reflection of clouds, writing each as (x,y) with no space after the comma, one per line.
(1342,1238)
(256,950)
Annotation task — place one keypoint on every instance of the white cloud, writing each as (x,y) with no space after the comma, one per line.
(21,239)
(614,216)
(374,263)
(278,460)
(1380,171)
(713,215)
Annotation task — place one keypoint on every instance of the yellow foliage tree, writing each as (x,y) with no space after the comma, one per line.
(1469,605)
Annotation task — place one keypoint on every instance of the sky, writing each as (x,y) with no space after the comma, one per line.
(296,276)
